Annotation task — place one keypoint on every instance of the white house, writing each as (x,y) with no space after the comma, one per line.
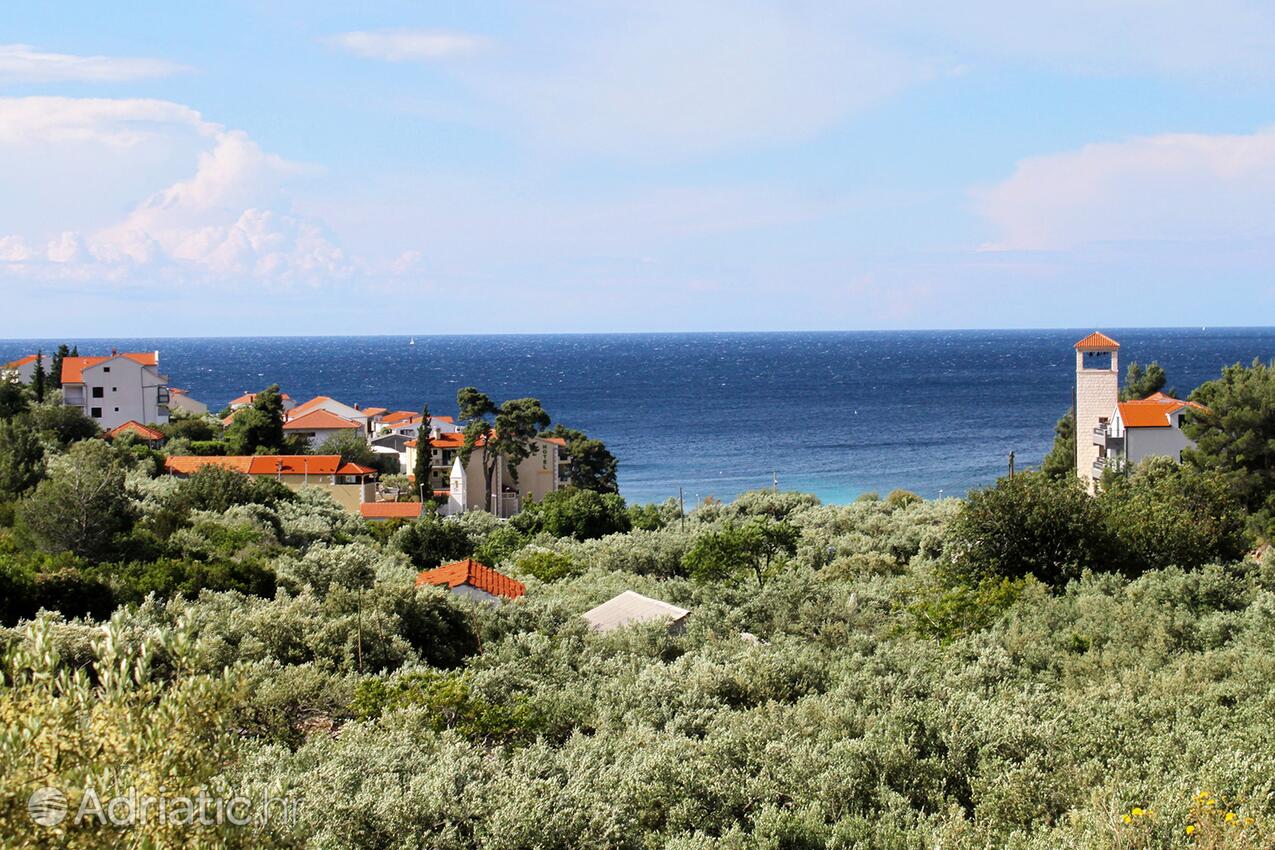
(318,425)
(539,474)
(336,408)
(1151,427)
(115,389)
(182,400)
(631,607)
(22,369)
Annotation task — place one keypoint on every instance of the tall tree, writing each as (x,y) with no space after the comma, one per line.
(504,433)
(81,507)
(1061,460)
(21,458)
(592,467)
(747,547)
(1237,436)
(424,461)
(55,369)
(13,397)
(38,379)
(259,429)
(1140,383)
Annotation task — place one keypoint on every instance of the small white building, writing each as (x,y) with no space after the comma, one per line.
(115,389)
(182,400)
(318,425)
(22,370)
(1151,427)
(631,607)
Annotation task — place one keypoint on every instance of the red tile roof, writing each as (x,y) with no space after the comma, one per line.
(317,402)
(355,469)
(258,464)
(1154,411)
(557,441)
(317,420)
(403,416)
(390,510)
(137,428)
(373,411)
(73,367)
(1096,342)
(246,398)
(22,361)
(475,575)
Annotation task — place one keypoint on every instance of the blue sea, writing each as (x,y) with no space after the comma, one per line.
(835,414)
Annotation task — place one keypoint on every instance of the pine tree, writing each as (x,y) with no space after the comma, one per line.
(38,379)
(424,464)
(55,372)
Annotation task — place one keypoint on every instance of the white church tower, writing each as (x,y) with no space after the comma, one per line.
(458,497)
(1097,392)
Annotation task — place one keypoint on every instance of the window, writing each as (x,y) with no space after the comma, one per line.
(117,410)
(106,368)
(97,392)
(95,412)
(115,389)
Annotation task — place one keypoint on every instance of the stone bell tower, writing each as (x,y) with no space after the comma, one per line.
(1097,391)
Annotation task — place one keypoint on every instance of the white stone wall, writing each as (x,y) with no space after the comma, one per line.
(128,389)
(1097,392)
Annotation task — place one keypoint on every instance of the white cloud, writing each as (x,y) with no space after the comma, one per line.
(22,63)
(1180,187)
(407,45)
(229,221)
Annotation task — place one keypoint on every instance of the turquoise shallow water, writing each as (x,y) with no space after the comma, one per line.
(831,413)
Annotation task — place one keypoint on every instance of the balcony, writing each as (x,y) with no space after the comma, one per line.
(1102,464)
(1102,436)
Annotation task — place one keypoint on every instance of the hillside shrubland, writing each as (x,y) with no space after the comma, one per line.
(1029,667)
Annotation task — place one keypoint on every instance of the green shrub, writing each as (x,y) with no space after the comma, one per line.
(582,514)
(546,565)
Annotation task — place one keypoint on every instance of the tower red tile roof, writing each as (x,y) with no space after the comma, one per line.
(318,420)
(1096,342)
(475,575)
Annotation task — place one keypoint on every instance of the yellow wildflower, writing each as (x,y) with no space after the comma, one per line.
(1230,817)
(1126,819)
(1137,812)
(1190,828)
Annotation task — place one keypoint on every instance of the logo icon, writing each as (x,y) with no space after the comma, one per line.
(47,806)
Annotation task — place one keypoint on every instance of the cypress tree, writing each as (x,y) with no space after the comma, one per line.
(423,466)
(55,371)
(37,380)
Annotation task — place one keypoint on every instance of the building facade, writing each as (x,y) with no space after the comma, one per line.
(116,389)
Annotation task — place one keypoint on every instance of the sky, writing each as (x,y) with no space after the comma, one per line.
(285,167)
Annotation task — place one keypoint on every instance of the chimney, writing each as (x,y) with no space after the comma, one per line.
(356,406)
(114,351)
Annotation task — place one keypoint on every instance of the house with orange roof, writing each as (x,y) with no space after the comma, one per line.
(247,399)
(349,484)
(473,580)
(350,413)
(22,370)
(1114,434)
(137,429)
(115,388)
(539,474)
(318,425)
(1150,427)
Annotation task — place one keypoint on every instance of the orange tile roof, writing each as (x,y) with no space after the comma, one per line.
(557,441)
(316,402)
(73,367)
(1154,411)
(405,416)
(246,398)
(258,464)
(374,411)
(452,440)
(355,469)
(317,420)
(137,428)
(475,575)
(1096,341)
(22,361)
(390,510)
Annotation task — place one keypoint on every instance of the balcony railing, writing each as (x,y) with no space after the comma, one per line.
(1102,436)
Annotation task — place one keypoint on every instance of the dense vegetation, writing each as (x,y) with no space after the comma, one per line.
(1028,667)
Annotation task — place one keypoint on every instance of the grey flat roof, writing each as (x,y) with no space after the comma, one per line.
(631,607)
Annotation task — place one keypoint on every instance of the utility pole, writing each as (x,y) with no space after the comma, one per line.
(359,621)
(1011,466)
(774,481)
(681,502)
